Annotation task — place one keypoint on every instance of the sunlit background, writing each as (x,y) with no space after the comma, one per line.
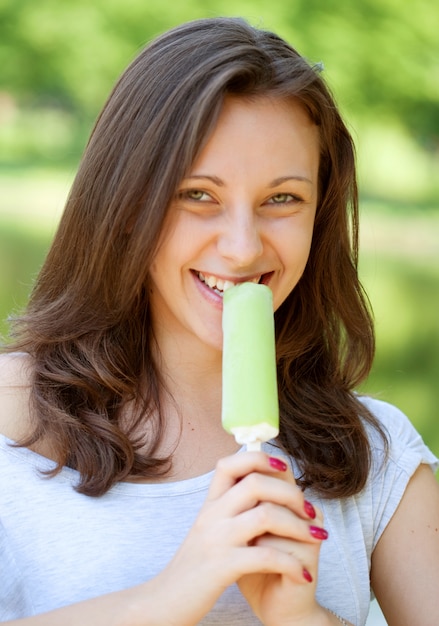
(58,61)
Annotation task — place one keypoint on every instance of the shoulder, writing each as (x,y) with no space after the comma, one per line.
(403,438)
(15,382)
(393,468)
(388,415)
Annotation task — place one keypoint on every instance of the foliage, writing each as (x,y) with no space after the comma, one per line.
(380,55)
(21,253)
(405,298)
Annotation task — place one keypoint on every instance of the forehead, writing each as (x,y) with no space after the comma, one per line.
(261,132)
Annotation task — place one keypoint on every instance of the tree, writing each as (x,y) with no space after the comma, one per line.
(381,56)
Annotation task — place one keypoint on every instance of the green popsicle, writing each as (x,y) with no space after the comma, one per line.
(250,407)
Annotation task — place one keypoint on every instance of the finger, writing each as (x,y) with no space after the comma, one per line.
(304,551)
(313,512)
(305,554)
(256,488)
(269,560)
(232,469)
(268,519)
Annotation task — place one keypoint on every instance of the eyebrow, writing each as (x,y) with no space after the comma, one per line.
(213,179)
(284,179)
(274,183)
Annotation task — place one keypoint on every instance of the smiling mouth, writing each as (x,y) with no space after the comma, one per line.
(219,286)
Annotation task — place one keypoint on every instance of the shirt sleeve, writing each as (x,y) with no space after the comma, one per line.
(390,475)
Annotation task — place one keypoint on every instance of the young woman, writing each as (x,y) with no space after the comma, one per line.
(220,157)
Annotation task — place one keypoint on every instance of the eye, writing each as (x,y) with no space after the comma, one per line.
(284,198)
(196,195)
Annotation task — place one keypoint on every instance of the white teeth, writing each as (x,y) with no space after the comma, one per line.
(220,285)
(211,281)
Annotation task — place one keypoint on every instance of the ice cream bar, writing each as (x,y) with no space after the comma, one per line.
(250,407)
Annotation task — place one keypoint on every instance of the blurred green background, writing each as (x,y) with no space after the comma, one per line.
(58,61)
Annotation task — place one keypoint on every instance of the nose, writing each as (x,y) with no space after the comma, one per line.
(240,239)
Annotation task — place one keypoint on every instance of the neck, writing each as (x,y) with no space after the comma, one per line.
(191,371)
(192,407)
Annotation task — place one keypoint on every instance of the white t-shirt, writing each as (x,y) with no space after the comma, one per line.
(58,547)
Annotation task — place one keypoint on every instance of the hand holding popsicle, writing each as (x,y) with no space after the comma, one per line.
(253,529)
(250,408)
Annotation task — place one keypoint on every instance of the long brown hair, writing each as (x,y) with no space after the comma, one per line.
(87,325)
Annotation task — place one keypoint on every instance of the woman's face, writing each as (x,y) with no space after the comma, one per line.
(245,212)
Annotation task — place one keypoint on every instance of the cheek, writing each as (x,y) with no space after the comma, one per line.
(294,253)
(295,246)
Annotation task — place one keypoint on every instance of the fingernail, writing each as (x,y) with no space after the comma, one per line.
(309,509)
(277,464)
(307,576)
(318,533)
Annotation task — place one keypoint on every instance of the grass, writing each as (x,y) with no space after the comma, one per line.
(399,268)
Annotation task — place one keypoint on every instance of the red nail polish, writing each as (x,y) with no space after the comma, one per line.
(277,464)
(318,533)
(309,509)
(307,576)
